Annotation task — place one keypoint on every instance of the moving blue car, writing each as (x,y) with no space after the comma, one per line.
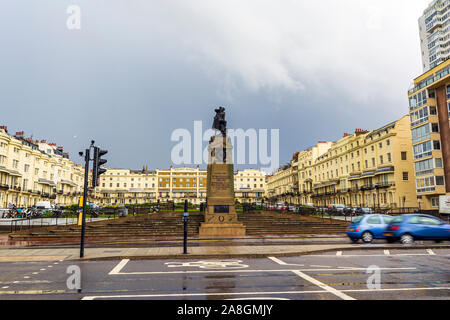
(410,227)
(368,227)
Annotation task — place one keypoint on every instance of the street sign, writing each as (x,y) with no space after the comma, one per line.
(444,204)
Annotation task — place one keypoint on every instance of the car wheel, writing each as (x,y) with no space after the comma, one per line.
(367,237)
(406,238)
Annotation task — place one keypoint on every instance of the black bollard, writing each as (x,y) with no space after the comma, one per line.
(185,222)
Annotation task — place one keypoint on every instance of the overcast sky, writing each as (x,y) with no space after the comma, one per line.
(137,70)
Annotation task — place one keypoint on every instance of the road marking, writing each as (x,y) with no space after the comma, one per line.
(431,252)
(43,269)
(50,266)
(33,291)
(316,266)
(368,255)
(209,264)
(244,271)
(119,267)
(201,294)
(339,253)
(35,272)
(387,253)
(284,263)
(249,293)
(323,285)
(277,260)
(26,277)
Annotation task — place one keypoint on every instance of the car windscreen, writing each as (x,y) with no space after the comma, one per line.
(357,219)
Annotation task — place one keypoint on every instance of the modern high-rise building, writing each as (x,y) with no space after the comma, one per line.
(434,29)
(429,109)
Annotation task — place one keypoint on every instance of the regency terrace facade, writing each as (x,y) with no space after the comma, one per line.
(369,169)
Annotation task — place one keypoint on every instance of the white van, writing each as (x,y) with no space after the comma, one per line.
(44,205)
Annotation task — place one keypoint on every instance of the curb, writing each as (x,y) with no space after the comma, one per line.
(253,255)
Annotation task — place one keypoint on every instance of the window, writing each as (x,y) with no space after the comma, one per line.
(374,220)
(373,162)
(424,167)
(403,155)
(420,133)
(405,176)
(388,142)
(435,202)
(429,221)
(422,150)
(439,180)
(438,162)
(380,145)
(419,116)
(434,127)
(436,145)
(381,159)
(389,157)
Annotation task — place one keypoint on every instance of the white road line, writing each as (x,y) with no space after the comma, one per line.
(323,285)
(395,289)
(35,272)
(316,266)
(277,260)
(387,253)
(43,269)
(339,253)
(284,263)
(367,255)
(431,252)
(202,294)
(119,267)
(254,293)
(242,271)
(5,287)
(26,277)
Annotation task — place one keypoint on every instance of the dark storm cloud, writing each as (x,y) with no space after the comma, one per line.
(137,70)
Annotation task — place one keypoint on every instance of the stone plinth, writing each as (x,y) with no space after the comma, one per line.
(220,216)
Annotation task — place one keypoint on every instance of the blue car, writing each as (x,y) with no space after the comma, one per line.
(410,227)
(368,227)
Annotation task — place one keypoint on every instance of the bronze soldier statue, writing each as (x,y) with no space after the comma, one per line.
(220,122)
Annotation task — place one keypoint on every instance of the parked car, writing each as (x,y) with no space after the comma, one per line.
(322,209)
(368,227)
(410,227)
(360,210)
(349,210)
(337,209)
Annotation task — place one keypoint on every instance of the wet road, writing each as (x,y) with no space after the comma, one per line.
(403,274)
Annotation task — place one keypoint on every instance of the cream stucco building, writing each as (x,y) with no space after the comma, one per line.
(32,171)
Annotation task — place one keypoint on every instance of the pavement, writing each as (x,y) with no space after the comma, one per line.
(210,251)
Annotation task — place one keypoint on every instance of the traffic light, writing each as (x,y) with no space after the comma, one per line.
(98,162)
